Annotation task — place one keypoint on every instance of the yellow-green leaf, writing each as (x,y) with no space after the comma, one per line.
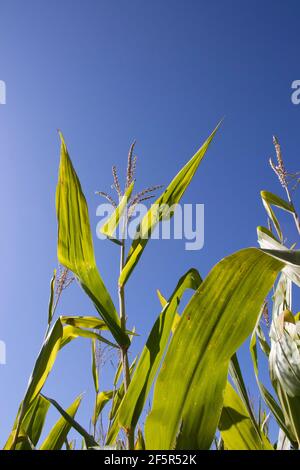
(59,432)
(269,200)
(150,359)
(211,329)
(32,425)
(155,214)
(110,226)
(237,430)
(102,399)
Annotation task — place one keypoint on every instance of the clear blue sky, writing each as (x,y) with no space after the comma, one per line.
(105,72)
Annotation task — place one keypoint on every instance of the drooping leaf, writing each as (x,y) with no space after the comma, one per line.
(157,211)
(236,426)
(84,322)
(75,245)
(51,298)
(58,434)
(140,442)
(237,377)
(32,425)
(211,329)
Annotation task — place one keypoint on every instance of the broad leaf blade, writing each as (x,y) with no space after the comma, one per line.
(75,246)
(58,434)
(169,198)
(110,226)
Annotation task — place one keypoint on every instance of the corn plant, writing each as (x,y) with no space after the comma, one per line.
(187,359)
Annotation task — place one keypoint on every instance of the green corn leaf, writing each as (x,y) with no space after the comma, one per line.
(150,359)
(284,357)
(267,241)
(237,377)
(44,363)
(58,434)
(95,365)
(51,298)
(210,331)
(110,226)
(102,399)
(32,425)
(72,332)
(236,426)
(75,245)
(117,398)
(140,442)
(88,439)
(269,200)
(169,198)
(163,302)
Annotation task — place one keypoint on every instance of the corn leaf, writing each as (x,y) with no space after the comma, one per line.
(150,359)
(58,434)
(84,322)
(75,245)
(95,366)
(51,298)
(110,226)
(32,425)
(72,332)
(102,399)
(237,378)
(237,430)
(155,214)
(269,200)
(211,329)
(44,363)
(140,442)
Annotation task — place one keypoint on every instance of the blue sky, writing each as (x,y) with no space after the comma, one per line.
(106,72)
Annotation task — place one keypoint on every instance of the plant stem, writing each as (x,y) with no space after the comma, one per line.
(124,355)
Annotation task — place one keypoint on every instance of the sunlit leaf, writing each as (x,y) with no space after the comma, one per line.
(237,430)
(110,226)
(58,434)
(75,245)
(156,213)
